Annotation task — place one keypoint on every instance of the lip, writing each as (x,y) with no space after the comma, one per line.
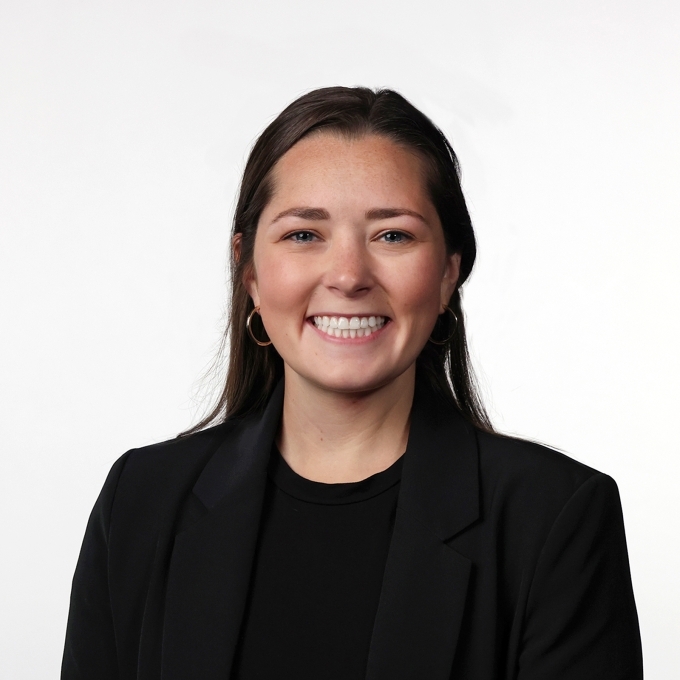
(347,315)
(348,341)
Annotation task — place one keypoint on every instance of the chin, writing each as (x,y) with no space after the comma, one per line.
(356,384)
(356,387)
(348,376)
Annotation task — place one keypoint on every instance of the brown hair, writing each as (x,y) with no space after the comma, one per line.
(253,371)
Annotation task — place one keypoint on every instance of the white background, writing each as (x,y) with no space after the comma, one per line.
(123,130)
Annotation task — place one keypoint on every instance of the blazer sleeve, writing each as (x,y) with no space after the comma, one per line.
(581,621)
(90,648)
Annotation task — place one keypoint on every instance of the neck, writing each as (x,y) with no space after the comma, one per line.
(336,437)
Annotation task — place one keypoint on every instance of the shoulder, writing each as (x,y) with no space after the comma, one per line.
(155,479)
(510,460)
(532,483)
(533,499)
(174,458)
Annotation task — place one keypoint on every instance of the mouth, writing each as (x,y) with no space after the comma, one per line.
(349,326)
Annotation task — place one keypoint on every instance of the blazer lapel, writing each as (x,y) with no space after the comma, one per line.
(425,583)
(213,552)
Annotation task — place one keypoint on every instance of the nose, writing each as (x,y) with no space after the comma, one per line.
(348,267)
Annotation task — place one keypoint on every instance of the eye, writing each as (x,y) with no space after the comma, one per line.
(395,237)
(301,237)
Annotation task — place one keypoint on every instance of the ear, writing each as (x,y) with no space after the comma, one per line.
(248,275)
(450,279)
(236,241)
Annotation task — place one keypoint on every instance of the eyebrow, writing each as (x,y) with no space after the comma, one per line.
(323,214)
(386,213)
(304,213)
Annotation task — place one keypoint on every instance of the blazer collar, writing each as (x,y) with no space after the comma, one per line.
(210,566)
(425,583)
(440,483)
(423,593)
(242,459)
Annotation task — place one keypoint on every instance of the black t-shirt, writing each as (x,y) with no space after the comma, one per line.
(317,576)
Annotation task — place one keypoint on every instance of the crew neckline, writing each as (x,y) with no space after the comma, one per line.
(341,493)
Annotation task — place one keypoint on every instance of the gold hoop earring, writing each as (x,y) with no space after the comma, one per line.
(250,330)
(453,332)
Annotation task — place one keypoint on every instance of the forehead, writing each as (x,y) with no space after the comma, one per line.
(368,163)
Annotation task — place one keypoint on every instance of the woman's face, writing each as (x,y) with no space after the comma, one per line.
(350,266)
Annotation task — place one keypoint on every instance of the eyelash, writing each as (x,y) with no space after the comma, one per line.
(402,234)
(291,237)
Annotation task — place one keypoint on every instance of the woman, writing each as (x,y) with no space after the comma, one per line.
(350,513)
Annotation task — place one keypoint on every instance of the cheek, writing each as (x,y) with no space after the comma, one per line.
(416,286)
(281,287)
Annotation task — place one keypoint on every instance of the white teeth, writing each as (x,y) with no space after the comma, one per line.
(349,327)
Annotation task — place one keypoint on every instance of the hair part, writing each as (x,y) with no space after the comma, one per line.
(253,371)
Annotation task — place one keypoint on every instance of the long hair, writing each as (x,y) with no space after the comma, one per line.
(253,371)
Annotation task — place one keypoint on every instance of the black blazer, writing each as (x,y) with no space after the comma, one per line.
(508,560)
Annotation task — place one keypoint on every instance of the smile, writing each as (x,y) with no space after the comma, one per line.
(349,327)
